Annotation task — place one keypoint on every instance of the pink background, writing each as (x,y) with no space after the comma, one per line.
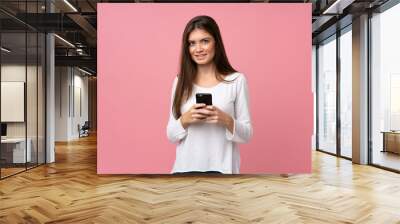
(138,55)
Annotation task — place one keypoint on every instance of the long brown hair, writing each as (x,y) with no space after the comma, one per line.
(188,68)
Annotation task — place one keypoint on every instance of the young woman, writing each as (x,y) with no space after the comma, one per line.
(207,136)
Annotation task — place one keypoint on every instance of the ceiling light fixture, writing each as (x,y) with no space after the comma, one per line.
(5,50)
(79,51)
(84,71)
(64,40)
(70,5)
(337,7)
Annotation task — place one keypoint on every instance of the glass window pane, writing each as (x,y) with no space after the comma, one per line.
(346,94)
(22,83)
(386,89)
(31,101)
(327,96)
(41,98)
(313,78)
(14,153)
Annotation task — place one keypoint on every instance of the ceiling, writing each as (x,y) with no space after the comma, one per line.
(76,22)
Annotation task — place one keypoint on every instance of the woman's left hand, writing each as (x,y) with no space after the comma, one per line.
(219,117)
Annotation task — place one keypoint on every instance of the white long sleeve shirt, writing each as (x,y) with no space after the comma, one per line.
(212,147)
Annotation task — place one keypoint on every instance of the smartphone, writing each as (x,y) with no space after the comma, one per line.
(205,98)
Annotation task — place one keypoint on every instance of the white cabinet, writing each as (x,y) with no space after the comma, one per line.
(18,149)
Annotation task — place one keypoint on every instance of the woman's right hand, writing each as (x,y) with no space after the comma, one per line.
(194,115)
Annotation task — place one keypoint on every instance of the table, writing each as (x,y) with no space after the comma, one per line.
(391,141)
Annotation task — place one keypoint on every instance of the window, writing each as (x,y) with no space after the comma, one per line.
(327,95)
(22,65)
(385,88)
(346,92)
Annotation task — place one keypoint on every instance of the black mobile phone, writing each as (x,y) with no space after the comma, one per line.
(205,98)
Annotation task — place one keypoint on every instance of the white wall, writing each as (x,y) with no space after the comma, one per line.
(12,73)
(71,93)
(62,78)
(81,102)
(15,72)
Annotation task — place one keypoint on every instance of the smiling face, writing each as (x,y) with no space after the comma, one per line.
(201,46)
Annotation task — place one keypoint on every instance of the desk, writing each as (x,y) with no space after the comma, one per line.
(13,150)
(391,141)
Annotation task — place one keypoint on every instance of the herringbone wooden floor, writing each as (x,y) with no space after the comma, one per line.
(69,191)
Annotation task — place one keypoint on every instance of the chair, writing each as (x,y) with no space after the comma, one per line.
(84,130)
